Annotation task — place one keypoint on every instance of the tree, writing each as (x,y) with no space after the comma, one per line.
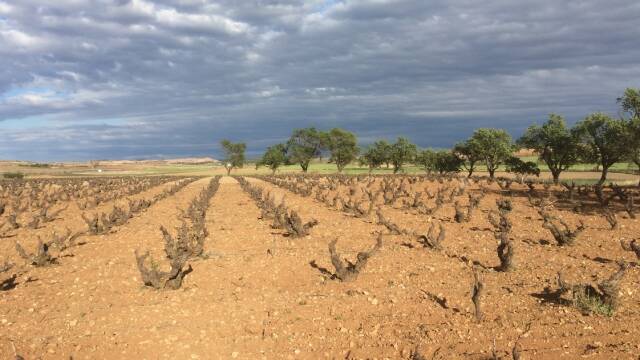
(604,140)
(427,160)
(554,144)
(376,154)
(469,152)
(401,152)
(234,154)
(304,145)
(343,146)
(371,157)
(630,104)
(273,157)
(522,168)
(494,146)
(634,153)
(383,150)
(447,162)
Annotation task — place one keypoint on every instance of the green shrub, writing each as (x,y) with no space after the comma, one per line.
(13,175)
(589,302)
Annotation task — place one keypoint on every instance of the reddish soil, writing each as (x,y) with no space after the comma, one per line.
(257,296)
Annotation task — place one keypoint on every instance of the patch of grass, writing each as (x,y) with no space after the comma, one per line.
(590,303)
(13,175)
(35,165)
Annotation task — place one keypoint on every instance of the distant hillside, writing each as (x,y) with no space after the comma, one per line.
(186,161)
(525,152)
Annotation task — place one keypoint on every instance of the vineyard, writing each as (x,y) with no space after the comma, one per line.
(318,266)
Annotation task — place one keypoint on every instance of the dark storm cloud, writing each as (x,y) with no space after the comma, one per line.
(84,79)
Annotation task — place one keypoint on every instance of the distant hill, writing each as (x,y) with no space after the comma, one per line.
(185,161)
(525,152)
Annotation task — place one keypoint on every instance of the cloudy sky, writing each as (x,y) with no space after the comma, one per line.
(106,79)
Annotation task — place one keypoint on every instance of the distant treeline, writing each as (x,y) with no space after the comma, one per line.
(36,165)
(598,138)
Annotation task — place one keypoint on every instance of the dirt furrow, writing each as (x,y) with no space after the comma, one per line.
(93,304)
(70,219)
(423,294)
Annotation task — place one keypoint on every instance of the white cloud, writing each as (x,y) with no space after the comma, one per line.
(21,39)
(5,9)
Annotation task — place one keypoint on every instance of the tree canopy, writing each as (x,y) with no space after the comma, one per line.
(375,155)
(304,145)
(554,144)
(494,146)
(343,146)
(522,168)
(630,105)
(401,152)
(274,157)
(604,140)
(469,152)
(426,159)
(234,154)
(630,102)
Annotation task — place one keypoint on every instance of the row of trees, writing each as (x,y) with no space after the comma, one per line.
(599,138)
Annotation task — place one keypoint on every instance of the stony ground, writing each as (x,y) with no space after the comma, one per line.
(258,296)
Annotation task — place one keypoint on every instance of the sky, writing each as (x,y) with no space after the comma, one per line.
(133,79)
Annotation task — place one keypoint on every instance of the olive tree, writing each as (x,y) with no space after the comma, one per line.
(604,140)
(634,152)
(343,146)
(304,145)
(554,143)
(274,157)
(494,146)
(521,168)
(426,159)
(234,154)
(383,148)
(630,104)
(375,155)
(447,162)
(469,152)
(401,152)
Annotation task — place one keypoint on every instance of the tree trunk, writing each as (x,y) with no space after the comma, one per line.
(603,177)
(304,166)
(492,171)
(470,171)
(556,176)
(229,170)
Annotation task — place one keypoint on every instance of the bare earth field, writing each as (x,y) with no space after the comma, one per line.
(257,295)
